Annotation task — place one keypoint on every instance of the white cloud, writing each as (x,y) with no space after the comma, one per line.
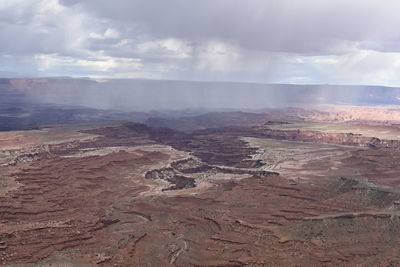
(110,33)
(170,47)
(103,64)
(218,56)
(358,67)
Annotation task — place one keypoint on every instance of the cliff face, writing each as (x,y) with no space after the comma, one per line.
(27,84)
(343,113)
(157,94)
(21,85)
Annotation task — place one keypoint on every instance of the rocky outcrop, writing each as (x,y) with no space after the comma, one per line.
(201,199)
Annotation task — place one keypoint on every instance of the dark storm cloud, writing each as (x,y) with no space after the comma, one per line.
(306,26)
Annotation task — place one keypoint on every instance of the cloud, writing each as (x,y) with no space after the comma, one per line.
(110,33)
(335,41)
(305,26)
(165,48)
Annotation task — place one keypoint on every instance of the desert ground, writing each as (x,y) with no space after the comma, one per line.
(302,191)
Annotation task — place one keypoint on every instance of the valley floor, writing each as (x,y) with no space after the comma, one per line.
(272,194)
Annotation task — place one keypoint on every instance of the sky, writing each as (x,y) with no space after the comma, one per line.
(271,41)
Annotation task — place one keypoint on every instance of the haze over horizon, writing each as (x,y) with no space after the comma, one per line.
(307,42)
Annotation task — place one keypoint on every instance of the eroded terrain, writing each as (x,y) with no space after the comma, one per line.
(278,193)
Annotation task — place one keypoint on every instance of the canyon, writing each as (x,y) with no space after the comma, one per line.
(90,183)
(264,191)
